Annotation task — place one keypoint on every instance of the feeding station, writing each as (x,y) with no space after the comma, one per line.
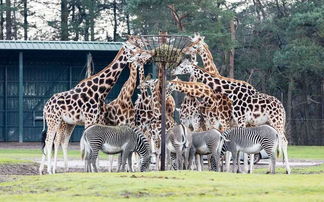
(167,53)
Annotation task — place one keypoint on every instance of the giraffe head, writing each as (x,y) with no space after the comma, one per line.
(141,57)
(185,67)
(151,83)
(196,46)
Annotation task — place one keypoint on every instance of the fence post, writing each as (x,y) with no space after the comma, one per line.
(21,97)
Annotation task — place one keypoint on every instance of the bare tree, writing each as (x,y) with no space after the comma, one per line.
(25,20)
(8,20)
(1,20)
(64,20)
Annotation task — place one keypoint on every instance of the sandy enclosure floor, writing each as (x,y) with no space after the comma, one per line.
(77,165)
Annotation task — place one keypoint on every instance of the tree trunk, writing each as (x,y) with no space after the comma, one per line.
(14,22)
(25,20)
(289,111)
(1,21)
(64,20)
(8,20)
(115,20)
(322,116)
(307,135)
(232,51)
(92,19)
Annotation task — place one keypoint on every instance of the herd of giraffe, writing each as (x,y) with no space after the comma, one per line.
(211,101)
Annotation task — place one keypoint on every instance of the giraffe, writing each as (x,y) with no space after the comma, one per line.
(121,110)
(249,106)
(80,105)
(188,110)
(216,107)
(198,46)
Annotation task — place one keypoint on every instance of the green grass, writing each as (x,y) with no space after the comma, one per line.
(294,152)
(306,152)
(27,154)
(164,186)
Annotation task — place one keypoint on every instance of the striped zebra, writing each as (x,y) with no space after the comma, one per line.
(208,142)
(114,140)
(252,141)
(178,143)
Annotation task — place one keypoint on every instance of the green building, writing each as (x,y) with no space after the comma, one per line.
(32,71)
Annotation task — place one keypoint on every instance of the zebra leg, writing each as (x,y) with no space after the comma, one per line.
(130,165)
(190,158)
(94,158)
(228,160)
(198,165)
(173,160)
(124,158)
(235,157)
(119,163)
(245,162)
(251,163)
(110,161)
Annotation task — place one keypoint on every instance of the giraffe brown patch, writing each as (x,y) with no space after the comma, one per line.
(95,80)
(109,81)
(243,90)
(69,107)
(226,86)
(92,101)
(90,93)
(94,88)
(60,102)
(102,89)
(240,95)
(82,84)
(96,97)
(84,89)
(80,103)
(75,96)
(101,81)
(78,90)
(115,66)
(84,97)
(89,83)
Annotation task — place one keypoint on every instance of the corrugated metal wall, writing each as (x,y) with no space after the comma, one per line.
(45,73)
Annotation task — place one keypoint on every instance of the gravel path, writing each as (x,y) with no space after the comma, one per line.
(76,165)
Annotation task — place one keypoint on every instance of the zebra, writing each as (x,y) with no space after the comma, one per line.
(178,141)
(113,140)
(208,142)
(252,141)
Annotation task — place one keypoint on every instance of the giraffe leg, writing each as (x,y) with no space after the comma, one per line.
(65,143)
(284,143)
(56,147)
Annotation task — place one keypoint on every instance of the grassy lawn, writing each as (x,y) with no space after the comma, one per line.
(306,152)
(164,186)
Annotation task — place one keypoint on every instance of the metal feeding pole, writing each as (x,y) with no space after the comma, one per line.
(167,52)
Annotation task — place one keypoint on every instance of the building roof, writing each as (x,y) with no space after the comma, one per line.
(60,45)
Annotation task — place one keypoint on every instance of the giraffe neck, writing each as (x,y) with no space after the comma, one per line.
(129,86)
(101,83)
(156,100)
(233,89)
(208,60)
(197,90)
(141,73)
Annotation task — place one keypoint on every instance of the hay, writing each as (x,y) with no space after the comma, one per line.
(167,53)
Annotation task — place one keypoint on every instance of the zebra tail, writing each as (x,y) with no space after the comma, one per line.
(184,137)
(222,136)
(279,148)
(84,147)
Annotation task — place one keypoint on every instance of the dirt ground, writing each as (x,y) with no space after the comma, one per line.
(77,165)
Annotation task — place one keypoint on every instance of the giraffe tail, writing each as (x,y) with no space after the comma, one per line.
(44,134)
